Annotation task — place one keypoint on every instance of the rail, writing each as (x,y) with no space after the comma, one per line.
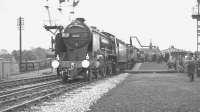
(37,94)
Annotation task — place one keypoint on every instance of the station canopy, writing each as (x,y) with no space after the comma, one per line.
(174,50)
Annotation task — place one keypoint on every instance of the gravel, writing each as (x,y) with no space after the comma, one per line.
(81,99)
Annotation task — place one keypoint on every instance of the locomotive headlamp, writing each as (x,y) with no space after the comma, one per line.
(55,64)
(85,63)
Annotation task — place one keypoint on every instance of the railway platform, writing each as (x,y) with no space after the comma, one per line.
(151,87)
(150,67)
(152,92)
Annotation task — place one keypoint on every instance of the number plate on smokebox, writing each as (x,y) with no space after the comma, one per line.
(70,63)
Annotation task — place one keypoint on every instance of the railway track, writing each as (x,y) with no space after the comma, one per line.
(4,85)
(13,99)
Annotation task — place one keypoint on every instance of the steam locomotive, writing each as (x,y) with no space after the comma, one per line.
(85,52)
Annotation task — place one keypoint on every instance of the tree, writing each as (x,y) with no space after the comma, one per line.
(15,53)
(3,51)
(28,55)
(40,53)
(33,54)
(5,55)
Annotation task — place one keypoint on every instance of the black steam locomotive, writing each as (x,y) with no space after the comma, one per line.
(85,52)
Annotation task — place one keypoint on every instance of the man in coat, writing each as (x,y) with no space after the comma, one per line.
(190,66)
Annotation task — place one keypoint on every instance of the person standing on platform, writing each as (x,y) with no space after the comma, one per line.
(198,67)
(190,66)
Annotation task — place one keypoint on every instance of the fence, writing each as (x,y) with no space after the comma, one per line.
(35,65)
(8,68)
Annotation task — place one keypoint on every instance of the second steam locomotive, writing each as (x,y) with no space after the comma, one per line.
(85,52)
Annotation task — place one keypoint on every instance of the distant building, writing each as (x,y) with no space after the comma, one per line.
(8,57)
(150,51)
(3,51)
(175,51)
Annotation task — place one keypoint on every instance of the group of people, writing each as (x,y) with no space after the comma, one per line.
(180,63)
(186,64)
(176,63)
(159,58)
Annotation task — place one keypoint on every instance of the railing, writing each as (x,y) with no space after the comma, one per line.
(35,65)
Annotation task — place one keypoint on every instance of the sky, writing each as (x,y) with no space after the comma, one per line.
(164,22)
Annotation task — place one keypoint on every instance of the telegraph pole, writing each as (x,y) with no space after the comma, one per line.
(20,24)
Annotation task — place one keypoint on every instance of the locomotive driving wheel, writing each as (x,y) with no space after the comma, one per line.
(109,70)
(86,75)
(96,73)
(90,75)
(103,71)
(57,72)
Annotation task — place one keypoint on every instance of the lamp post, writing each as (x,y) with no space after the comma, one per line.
(198,1)
(196,16)
(20,24)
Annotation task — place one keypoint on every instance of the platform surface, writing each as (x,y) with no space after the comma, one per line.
(152,92)
(150,67)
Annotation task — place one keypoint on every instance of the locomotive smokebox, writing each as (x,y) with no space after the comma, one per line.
(82,20)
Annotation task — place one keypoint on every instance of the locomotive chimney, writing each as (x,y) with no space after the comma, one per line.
(82,20)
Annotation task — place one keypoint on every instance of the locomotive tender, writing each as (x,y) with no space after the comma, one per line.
(85,52)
